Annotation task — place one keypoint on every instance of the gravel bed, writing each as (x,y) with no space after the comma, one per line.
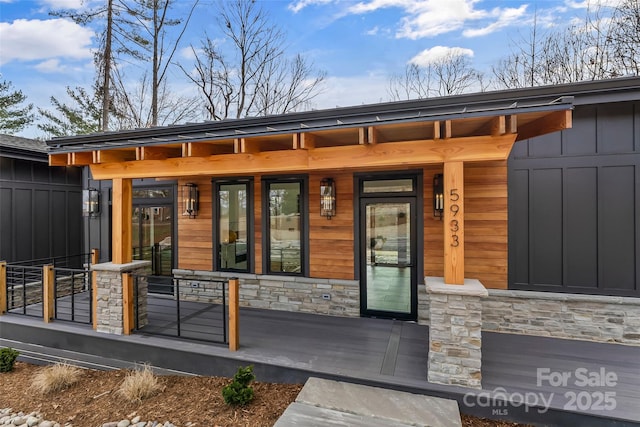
(8,418)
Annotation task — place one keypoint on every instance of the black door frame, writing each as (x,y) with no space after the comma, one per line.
(415,197)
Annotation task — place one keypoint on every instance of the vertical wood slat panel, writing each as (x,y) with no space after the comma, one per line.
(331,244)
(195,235)
(486,251)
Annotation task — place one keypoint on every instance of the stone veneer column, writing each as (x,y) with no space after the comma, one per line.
(455,323)
(109,294)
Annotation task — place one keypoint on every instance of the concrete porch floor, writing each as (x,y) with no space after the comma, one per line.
(290,347)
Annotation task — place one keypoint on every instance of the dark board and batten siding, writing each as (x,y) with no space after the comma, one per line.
(40,210)
(574,205)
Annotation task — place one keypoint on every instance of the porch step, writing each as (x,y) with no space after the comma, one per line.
(335,403)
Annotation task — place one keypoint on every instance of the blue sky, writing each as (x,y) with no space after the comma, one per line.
(359,44)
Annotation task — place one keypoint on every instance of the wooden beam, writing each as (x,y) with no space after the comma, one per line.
(160,153)
(409,153)
(498,126)
(59,159)
(121,220)
(436,130)
(307,141)
(234,311)
(82,158)
(3,287)
(48,293)
(94,297)
(95,256)
(511,125)
(296,141)
(552,122)
(363,137)
(445,129)
(454,223)
(249,146)
(373,135)
(237,146)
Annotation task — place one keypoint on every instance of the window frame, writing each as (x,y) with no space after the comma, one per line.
(217,183)
(304,223)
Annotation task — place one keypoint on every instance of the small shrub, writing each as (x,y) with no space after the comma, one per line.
(239,392)
(8,358)
(55,378)
(139,385)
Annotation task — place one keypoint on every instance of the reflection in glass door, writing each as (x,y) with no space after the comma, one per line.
(388,257)
(152,238)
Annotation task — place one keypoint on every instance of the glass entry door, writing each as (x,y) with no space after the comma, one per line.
(152,235)
(388,257)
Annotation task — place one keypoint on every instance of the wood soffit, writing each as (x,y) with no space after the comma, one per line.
(480,138)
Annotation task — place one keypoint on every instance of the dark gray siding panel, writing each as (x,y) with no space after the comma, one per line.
(41,224)
(546,226)
(39,218)
(581,231)
(574,208)
(519,227)
(615,128)
(23,224)
(580,140)
(617,207)
(6,230)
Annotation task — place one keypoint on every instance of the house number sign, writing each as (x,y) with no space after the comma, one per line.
(454,224)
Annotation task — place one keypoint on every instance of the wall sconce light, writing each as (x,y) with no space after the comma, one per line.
(91,202)
(190,200)
(327,198)
(438,196)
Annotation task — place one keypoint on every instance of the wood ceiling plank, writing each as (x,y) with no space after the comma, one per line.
(81,158)
(160,153)
(114,156)
(62,159)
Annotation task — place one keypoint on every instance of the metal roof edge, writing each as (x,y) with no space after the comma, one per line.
(520,98)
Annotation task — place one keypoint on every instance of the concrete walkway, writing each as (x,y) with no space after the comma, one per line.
(335,403)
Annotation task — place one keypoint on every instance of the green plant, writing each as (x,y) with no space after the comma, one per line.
(8,357)
(239,392)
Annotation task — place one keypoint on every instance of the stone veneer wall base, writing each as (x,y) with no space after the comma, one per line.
(455,337)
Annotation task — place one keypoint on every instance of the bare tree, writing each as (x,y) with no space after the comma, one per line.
(253,77)
(604,45)
(131,100)
(451,74)
(148,23)
(625,37)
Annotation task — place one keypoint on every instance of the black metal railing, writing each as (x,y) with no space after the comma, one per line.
(73,294)
(24,290)
(187,308)
(64,261)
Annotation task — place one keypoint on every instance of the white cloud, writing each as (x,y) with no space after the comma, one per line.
(187,53)
(437,53)
(50,66)
(63,4)
(36,39)
(430,18)
(591,3)
(353,90)
(506,17)
(297,6)
(373,31)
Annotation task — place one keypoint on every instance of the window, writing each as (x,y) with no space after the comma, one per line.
(234,225)
(285,224)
